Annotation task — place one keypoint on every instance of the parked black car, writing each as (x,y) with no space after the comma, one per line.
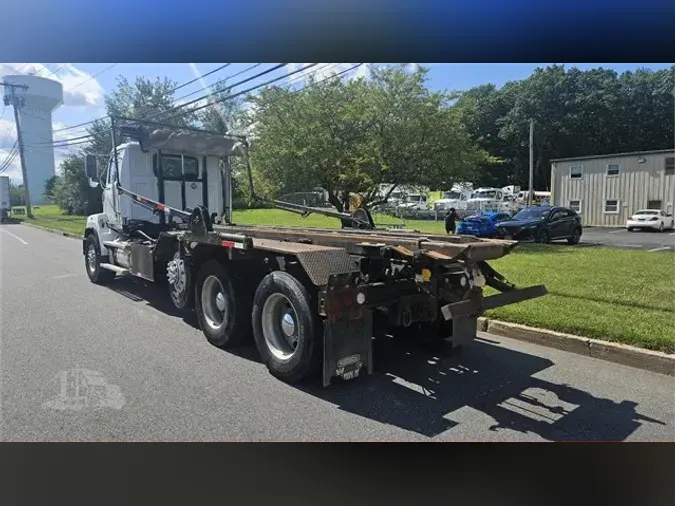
(542,224)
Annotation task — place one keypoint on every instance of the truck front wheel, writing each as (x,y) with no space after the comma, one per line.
(286,327)
(92,262)
(222,304)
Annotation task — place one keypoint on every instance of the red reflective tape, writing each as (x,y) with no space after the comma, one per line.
(227,244)
(161,207)
(142,200)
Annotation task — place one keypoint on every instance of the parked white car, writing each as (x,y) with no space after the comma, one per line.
(650,219)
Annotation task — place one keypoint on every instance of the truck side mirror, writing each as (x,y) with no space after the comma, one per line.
(91,169)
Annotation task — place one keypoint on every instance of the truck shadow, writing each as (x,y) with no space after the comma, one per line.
(429,393)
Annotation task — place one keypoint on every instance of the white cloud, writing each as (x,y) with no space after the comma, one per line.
(80,89)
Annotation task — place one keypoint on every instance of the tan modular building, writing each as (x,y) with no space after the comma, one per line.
(607,189)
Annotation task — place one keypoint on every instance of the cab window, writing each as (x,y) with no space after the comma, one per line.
(173,165)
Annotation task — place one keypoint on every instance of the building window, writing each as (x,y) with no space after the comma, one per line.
(576,171)
(653,204)
(575,205)
(613,169)
(670,165)
(611,206)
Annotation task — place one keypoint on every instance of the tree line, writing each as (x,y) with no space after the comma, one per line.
(353,136)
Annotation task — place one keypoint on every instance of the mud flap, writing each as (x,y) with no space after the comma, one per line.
(347,347)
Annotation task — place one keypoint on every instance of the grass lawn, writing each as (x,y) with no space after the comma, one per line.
(52,217)
(610,294)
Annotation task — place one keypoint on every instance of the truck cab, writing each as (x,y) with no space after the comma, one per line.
(177,180)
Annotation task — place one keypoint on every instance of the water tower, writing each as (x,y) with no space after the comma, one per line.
(35,99)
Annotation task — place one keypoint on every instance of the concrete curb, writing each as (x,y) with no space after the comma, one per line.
(649,360)
(53,231)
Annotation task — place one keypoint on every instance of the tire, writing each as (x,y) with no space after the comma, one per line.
(543,236)
(92,262)
(286,327)
(576,236)
(216,286)
(179,283)
(661,227)
(630,229)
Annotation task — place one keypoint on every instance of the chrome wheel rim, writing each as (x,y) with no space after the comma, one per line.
(91,258)
(280,326)
(214,303)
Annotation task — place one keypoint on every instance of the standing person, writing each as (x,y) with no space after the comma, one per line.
(451,221)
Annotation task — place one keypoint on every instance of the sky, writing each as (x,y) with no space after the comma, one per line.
(86,84)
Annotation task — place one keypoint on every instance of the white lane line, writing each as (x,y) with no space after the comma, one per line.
(658,249)
(640,246)
(64,276)
(15,236)
(616,231)
(672,234)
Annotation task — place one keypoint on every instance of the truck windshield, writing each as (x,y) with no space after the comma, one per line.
(532,213)
(452,195)
(487,194)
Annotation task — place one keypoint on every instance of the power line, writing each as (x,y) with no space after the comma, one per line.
(221,81)
(259,74)
(181,98)
(333,76)
(198,78)
(230,97)
(92,77)
(11,154)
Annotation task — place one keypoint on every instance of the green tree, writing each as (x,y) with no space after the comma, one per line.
(17,195)
(576,113)
(72,192)
(49,187)
(141,99)
(353,136)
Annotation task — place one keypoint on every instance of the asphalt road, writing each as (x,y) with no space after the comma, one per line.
(163,381)
(654,242)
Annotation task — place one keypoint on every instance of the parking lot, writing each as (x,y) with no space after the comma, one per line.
(621,238)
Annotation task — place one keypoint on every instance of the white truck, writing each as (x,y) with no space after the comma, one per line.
(5,202)
(490,199)
(455,198)
(311,299)
(413,202)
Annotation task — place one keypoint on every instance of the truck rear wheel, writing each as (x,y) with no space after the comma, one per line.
(286,328)
(92,262)
(179,282)
(222,304)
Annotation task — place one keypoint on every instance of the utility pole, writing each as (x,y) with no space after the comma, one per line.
(531,181)
(17,101)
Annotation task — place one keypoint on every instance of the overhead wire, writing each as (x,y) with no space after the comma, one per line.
(198,78)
